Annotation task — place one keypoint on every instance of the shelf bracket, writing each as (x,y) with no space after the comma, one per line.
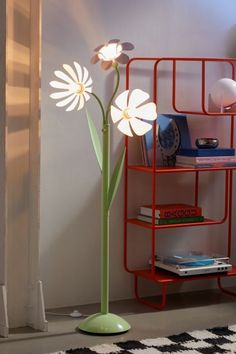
(157,306)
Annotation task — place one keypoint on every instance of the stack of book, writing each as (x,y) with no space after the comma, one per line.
(166,214)
(198,158)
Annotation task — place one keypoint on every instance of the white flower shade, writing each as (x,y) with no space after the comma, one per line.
(110,51)
(75,86)
(131,110)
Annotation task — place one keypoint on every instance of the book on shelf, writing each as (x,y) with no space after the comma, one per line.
(172,134)
(163,211)
(207,152)
(205,159)
(169,221)
(205,165)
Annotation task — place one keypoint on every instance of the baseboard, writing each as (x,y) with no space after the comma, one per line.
(4,325)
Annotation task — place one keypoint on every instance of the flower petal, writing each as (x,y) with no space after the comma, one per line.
(114,41)
(73,104)
(106,64)
(81,103)
(88,89)
(89,82)
(86,96)
(127,46)
(86,75)
(137,97)
(70,71)
(124,127)
(147,111)
(123,58)
(122,100)
(59,85)
(66,101)
(78,70)
(99,47)
(60,94)
(63,76)
(140,127)
(116,114)
(94,59)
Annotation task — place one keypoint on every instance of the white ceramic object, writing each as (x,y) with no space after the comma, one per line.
(223,93)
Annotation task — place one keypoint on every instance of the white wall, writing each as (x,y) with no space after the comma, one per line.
(70,179)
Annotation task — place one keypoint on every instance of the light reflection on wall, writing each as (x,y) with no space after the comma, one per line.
(18,101)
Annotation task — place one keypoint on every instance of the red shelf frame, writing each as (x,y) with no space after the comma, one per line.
(176,169)
(161,277)
(156,227)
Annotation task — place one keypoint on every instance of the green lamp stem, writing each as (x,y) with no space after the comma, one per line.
(105,209)
(104,322)
(105,221)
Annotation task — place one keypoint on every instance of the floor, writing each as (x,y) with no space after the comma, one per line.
(184,312)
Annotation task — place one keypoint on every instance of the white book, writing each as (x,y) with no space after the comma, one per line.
(204,159)
(205,164)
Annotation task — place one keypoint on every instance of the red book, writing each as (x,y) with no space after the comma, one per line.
(166,211)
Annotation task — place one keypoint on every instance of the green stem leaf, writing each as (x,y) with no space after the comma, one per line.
(114,92)
(95,139)
(115,179)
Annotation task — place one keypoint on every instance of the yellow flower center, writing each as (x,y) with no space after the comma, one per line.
(126,114)
(80,89)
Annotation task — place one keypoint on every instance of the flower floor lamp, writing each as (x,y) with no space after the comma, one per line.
(75,89)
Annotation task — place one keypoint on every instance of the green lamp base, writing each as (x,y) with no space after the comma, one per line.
(104,324)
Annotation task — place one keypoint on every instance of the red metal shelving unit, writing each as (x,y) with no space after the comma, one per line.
(162,277)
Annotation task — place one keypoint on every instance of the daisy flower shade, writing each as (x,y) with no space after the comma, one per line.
(111,53)
(131,111)
(74,87)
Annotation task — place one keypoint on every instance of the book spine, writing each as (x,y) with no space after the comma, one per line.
(207,152)
(210,159)
(171,220)
(193,165)
(205,165)
(167,213)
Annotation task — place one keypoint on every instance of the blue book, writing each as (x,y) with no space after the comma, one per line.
(207,152)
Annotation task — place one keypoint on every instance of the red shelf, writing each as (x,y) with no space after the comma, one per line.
(163,276)
(175,169)
(150,226)
(159,276)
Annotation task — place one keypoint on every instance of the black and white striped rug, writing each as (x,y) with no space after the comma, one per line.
(220,340)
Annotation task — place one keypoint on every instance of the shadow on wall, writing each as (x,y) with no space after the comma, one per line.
(230,43)
(74,258)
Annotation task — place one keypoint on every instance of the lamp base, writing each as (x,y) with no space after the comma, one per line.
(104,324)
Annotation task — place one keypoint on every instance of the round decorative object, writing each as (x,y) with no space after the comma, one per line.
(168,141)
(207,143)
(223,93)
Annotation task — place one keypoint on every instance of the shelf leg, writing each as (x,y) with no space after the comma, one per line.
(228,292)
(154,305)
